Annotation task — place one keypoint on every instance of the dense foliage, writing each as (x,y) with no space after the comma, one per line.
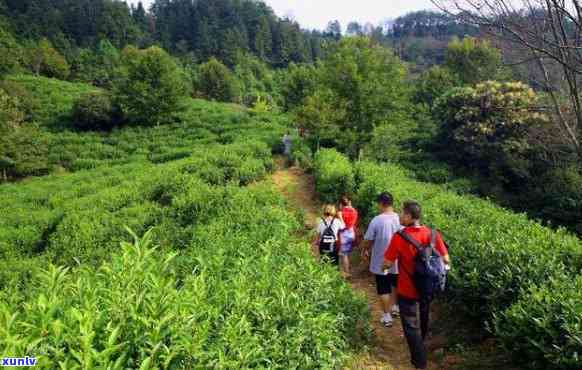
(151,87)
(344,111)
(95,111)
(214,81)
(507,270)
(487,125)
(334,176)
(255,299)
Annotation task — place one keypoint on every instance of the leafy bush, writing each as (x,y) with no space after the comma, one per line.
(334,176)
(151,87)
(9,51)
(559,196)
(95,111)
(154,303)
(497,256)
(43,59)
(473,60)
(217,82)
(488,125)
(549,318)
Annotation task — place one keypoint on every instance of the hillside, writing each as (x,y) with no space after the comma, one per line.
(161,170)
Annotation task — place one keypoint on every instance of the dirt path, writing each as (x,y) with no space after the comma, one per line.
(389,350)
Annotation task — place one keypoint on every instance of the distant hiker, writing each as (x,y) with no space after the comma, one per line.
(349,216)
(378,237)
(422,256)
(287,143)
(328,234)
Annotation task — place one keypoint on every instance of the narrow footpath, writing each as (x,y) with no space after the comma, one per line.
(389,350)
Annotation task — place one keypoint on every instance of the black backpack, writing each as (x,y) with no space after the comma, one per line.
(328,238)
(430,274)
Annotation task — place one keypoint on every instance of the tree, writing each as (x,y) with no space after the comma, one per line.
(23,148)
(473,60)
(432,84)
(43,59)
(298,82)
(334,30)
(217,82)
(319,117)
(370,80)
(486,128)
(151,87)
(545,35)
(355,29)
(95,111)
(9,52)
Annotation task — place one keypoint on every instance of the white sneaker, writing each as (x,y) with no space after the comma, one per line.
(395,311)
(387,320)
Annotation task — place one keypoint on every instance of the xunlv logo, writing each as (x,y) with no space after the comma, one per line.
(19,361)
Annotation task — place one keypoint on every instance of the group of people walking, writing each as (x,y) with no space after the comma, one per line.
(409,261)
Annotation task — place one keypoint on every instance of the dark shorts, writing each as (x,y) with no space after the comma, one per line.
(386,283)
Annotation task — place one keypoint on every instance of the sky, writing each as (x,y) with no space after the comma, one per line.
(317,13)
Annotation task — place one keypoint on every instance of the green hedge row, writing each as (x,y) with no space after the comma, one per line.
(334,175)
(240,295)
(81,217)
(515,274)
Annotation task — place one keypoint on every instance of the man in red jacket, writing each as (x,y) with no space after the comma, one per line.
(408,297)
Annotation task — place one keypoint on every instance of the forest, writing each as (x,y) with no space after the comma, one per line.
(132,138)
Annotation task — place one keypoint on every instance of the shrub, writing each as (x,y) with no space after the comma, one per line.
(488,125)
(43,59)
(216,82)
(152,86)
(95,111)
(334,176)
(497,256)
(473,60)
(550,318)
(9,52)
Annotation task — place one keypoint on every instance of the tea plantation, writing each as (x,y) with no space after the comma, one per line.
(166,247)
(520,278)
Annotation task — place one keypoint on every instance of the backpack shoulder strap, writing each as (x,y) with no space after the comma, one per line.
(410,240)
(433,236)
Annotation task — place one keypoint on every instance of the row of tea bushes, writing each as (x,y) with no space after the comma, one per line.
(80,218)
(334,175)
(200,123)
(240,294)
(514,273)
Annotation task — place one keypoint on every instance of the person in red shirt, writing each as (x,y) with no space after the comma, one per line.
(349,215)
(408,297)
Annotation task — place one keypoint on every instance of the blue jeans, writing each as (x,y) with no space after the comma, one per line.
(414,331)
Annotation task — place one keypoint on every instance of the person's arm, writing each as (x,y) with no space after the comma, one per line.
(368,241)
(391,254)
(442,249)
(366,246)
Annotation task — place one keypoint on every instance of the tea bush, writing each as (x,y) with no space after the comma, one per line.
(95,111)
(507,270)
(550,317)
(334,176)
(227,288)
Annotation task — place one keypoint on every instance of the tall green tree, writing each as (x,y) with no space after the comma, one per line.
(473,60)
(370,80)
(217,82)
(9,51)
(152,86)
(43,59)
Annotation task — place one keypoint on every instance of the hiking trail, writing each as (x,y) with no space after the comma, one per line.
(388,349)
